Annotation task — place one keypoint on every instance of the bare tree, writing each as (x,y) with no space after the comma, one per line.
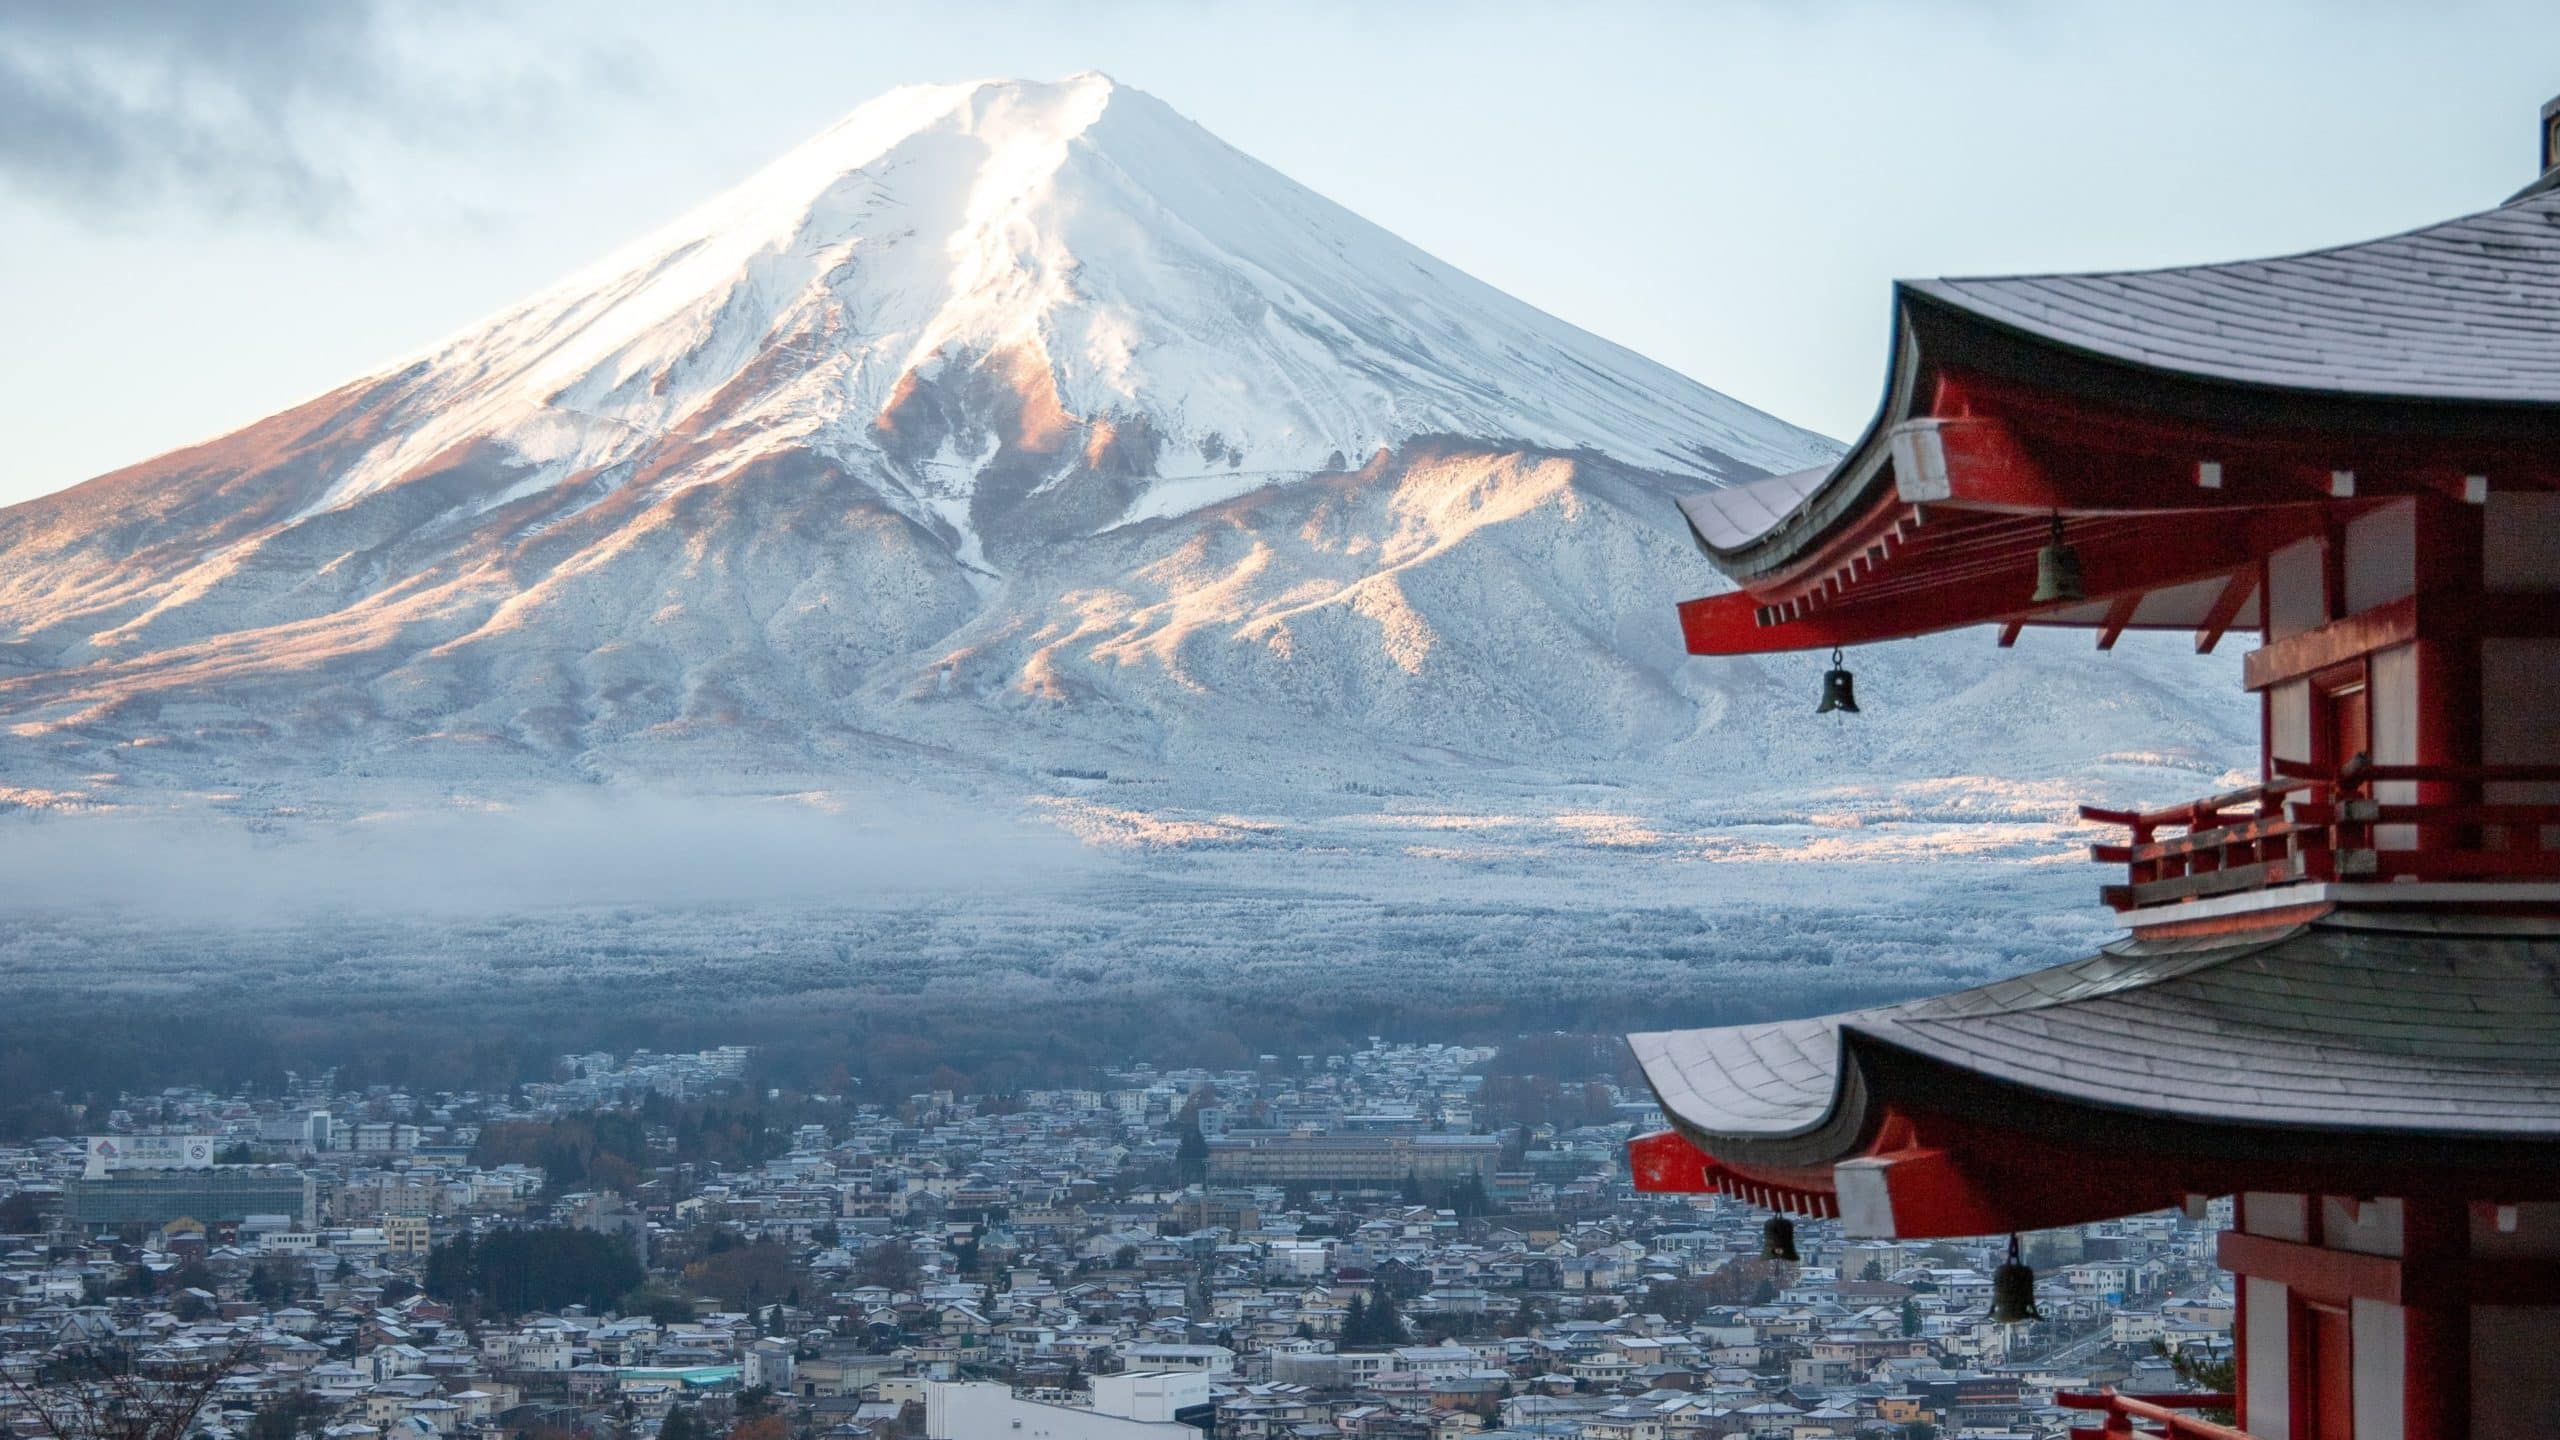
(100,1393)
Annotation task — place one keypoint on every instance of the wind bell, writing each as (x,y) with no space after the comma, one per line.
(1839,688)
(2013,1290)
(1778,1237)
(2057,570)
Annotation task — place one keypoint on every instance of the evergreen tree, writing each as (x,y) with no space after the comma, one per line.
(1384,1323)
(1355,1324)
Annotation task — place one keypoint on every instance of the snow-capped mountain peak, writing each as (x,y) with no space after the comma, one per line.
(1038,279)
(1011,424)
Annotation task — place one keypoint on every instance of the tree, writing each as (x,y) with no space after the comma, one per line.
(20,1213)
(272,1281)
(286,1416)
(661,1304)
(546,1267)
(1125,1258)
(111,1402)
(1384,1322)
(744,1277)
(1355,1324)
(1910,1317)
(1191,1157)
(2216,1375)
(890,1265)
(681,1424)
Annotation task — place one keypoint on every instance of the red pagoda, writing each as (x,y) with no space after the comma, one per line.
(2339,1001)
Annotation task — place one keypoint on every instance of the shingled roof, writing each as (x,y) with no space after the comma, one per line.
(2463,314)
(2391,1024)
(2468,309)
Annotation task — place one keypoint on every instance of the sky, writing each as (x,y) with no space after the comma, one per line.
(209,212)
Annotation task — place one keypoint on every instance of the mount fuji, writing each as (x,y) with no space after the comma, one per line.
(1024,445)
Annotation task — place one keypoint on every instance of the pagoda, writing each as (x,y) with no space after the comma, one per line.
(2339,998)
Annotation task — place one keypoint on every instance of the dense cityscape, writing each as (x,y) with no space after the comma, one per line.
(1416,1241)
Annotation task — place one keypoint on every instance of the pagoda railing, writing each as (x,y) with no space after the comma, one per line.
(2150,1415)
(2363,824)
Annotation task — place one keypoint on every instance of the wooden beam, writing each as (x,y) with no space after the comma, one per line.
(2335,643)
(2314,1272)
(2119,615)
(2009,632)
(2226,607)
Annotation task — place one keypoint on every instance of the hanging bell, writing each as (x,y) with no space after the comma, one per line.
(2013,1290)
(2057,570)
(1778,1237)
(1839,689)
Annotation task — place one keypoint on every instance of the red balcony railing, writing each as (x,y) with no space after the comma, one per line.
(2129,1415)
(2365,823)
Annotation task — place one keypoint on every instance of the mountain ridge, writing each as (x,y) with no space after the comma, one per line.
(1001,436)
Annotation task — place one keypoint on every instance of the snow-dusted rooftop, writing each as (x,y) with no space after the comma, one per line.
(2464,310)
(2411,1027)
(2465,313)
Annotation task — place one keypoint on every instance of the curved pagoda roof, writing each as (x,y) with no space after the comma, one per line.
(2462,310)
(2427,360)
(2352,1045)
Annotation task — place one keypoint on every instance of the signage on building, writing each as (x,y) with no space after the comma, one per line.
(149,1152)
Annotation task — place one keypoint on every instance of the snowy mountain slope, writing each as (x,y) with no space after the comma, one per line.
(1108,270)
(1017,439)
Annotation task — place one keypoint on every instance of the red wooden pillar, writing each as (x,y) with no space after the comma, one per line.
(2240,1306)
(2436,1295)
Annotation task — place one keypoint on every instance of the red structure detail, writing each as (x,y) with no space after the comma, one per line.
(2126,1412)
(2394,537)
(2311,827)
(1664,1163)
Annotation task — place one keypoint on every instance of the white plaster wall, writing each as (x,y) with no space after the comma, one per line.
(2380,1334)
(2392,690)
(2515,1372)
(2520,548)
(2536,1232)
(2276,1216)
(2289,720)
(2382,556)
(2372,1228)
(2267,1402)
(2520,715)
(2294,599)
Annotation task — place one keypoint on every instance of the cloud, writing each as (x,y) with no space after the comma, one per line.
(563,850)
(246,107)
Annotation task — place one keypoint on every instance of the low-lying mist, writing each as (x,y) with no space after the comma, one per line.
(563,849)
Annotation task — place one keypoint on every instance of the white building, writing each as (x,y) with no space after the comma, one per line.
(1154,1395)
(977,1410)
